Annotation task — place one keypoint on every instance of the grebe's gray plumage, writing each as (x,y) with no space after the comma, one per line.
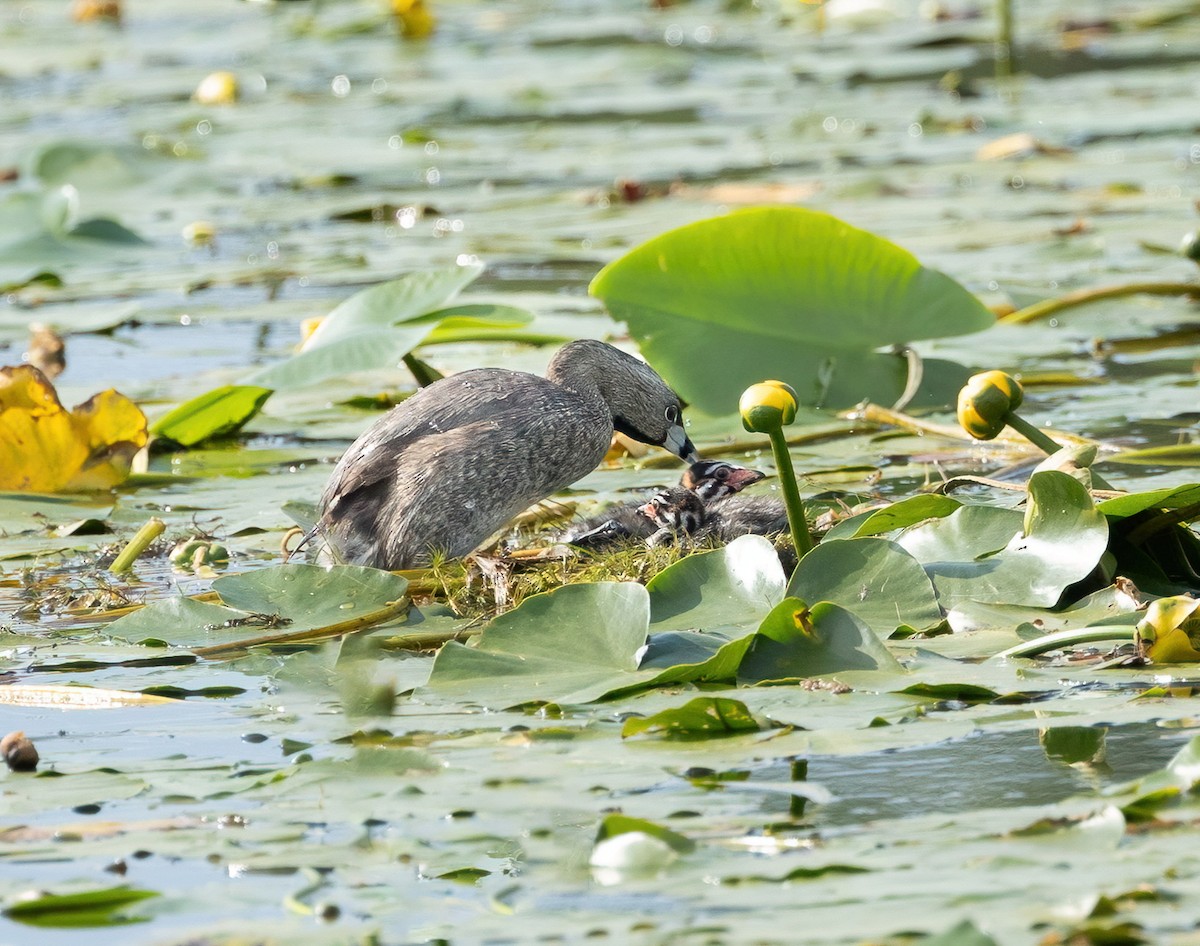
(710,480)
(446,468)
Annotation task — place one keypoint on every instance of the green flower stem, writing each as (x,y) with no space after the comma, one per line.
(141,540)
(791,493)
(1040,439)
(1087,635)
(1048,307)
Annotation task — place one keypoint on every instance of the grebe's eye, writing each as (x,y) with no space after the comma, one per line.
(672,414)
(723,474)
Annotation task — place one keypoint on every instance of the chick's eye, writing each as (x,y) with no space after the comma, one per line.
(672,414)
(722,475)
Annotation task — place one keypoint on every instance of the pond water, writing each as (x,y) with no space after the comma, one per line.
(545,140)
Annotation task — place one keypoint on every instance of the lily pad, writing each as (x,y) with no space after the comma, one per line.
(377,327)
(614,825)
(1171,497)
(571,645)
(216,413)
(782,292)
(731,587)
(899,515)
(796,641)
(102,907)
(1059,541)
(874,578)
(705,717)
(284,599)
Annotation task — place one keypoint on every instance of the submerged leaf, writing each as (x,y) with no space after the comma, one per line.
(782,292)
(283,599)
(45,448)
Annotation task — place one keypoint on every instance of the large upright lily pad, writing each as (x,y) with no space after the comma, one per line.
(788,293)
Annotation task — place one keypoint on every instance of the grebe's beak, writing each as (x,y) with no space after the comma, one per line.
(678,443)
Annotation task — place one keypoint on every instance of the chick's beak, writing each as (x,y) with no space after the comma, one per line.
(742,477)
(678,443)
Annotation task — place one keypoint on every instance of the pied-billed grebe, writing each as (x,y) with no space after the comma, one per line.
(709,479)
(449,466)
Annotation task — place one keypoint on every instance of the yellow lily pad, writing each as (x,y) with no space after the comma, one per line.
(1173,647)
(46,448)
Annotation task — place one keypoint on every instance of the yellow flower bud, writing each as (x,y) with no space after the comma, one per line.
(1171,628)
(767,406)
(985,402)
(219,88)
(199,232)
(415,18)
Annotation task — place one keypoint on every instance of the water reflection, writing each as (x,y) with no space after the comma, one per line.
(987,770)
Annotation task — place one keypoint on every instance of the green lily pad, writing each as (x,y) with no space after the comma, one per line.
(874,578)
(104,907)
(216,413)
(981,553)
(899,515)
(735,586)
(796,642)
(964,933)
(315,594)
(571,645)
(1171,497)
(377,327)
(615,825)
(1176,454)
(705,717)
(782,292)
(282,599)
(39,231)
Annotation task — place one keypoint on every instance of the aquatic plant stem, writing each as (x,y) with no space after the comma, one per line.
(791,493)
(1087,635)
(1048,307)
(1039,438)
(1005,59)
(141,540)
(389,611)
